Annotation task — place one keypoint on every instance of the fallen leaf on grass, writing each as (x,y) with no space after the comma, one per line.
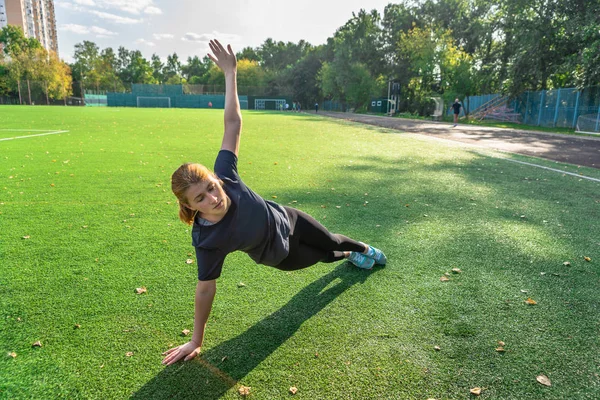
(501,343)
(293,390)
(224,358)
(476,391)
(189,261)
(241,284)
(185,332)
(244,390)
(26,237)
(12,354)
(129,353)
(567,264)
(500,349)
(437,348)
(543,379)
(37,344)
(141,290)
(77,326)
(444,278)
(274,196)
(530,301)
(587,259)
(456,270)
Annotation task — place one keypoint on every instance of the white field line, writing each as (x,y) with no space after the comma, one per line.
(551,169)
(27,130)
(486,151)
(30,130)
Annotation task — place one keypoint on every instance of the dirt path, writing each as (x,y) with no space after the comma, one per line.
(578,150)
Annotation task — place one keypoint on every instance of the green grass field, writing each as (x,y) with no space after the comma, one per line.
(87,216)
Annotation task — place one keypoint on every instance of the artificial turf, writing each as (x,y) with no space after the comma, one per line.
(87,216)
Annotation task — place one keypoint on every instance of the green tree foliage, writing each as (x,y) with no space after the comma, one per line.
(172,69)
(14,41)
(196,69)
(354,74)
(449,48)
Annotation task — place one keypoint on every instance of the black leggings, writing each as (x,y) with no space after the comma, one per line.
(311,242)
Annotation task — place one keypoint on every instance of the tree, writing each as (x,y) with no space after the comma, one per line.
(195,67)
(133,67)
(107,65)
(157,68)
(85,66)
(61,82)
(14,42)
(249,73)
(248,53)
(172,69)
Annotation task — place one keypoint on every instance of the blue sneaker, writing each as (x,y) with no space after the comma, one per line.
(361,261)
(377,255)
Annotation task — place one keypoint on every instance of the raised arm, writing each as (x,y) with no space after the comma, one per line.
(205,294)
(225,59)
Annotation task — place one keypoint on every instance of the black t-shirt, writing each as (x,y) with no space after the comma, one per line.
(253,225)
(456,107)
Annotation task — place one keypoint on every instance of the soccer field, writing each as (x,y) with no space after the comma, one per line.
(87,216)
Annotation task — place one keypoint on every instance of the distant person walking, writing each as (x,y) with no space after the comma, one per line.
(316,107)
(456,106)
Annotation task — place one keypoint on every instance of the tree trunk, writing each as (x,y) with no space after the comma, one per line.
(19,86)
(47,99)
(29,91)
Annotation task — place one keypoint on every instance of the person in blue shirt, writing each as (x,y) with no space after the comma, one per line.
(228,216)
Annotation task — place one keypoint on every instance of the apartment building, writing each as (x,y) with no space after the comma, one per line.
(35,17)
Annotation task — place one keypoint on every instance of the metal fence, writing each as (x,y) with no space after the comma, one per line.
(557,108)
(549,108)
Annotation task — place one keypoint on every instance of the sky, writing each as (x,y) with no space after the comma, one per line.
(186,26)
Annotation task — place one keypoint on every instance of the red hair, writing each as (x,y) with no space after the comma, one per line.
(185,176)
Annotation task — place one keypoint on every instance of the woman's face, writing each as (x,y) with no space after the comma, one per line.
(209,199)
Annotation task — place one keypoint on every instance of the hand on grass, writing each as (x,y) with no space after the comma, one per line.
(188,350)
(225,59)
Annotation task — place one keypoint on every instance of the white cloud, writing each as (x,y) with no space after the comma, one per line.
(152,10)
(101,31)
(80,29)
(117,19)
(206,37)
(90,3)
(160,36)
(83,30)
(145,42)
(194,37)
(68,6)
(130,6)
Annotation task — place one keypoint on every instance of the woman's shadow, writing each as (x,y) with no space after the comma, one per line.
(218,369)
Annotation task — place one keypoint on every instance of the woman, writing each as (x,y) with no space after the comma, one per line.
(228,216)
